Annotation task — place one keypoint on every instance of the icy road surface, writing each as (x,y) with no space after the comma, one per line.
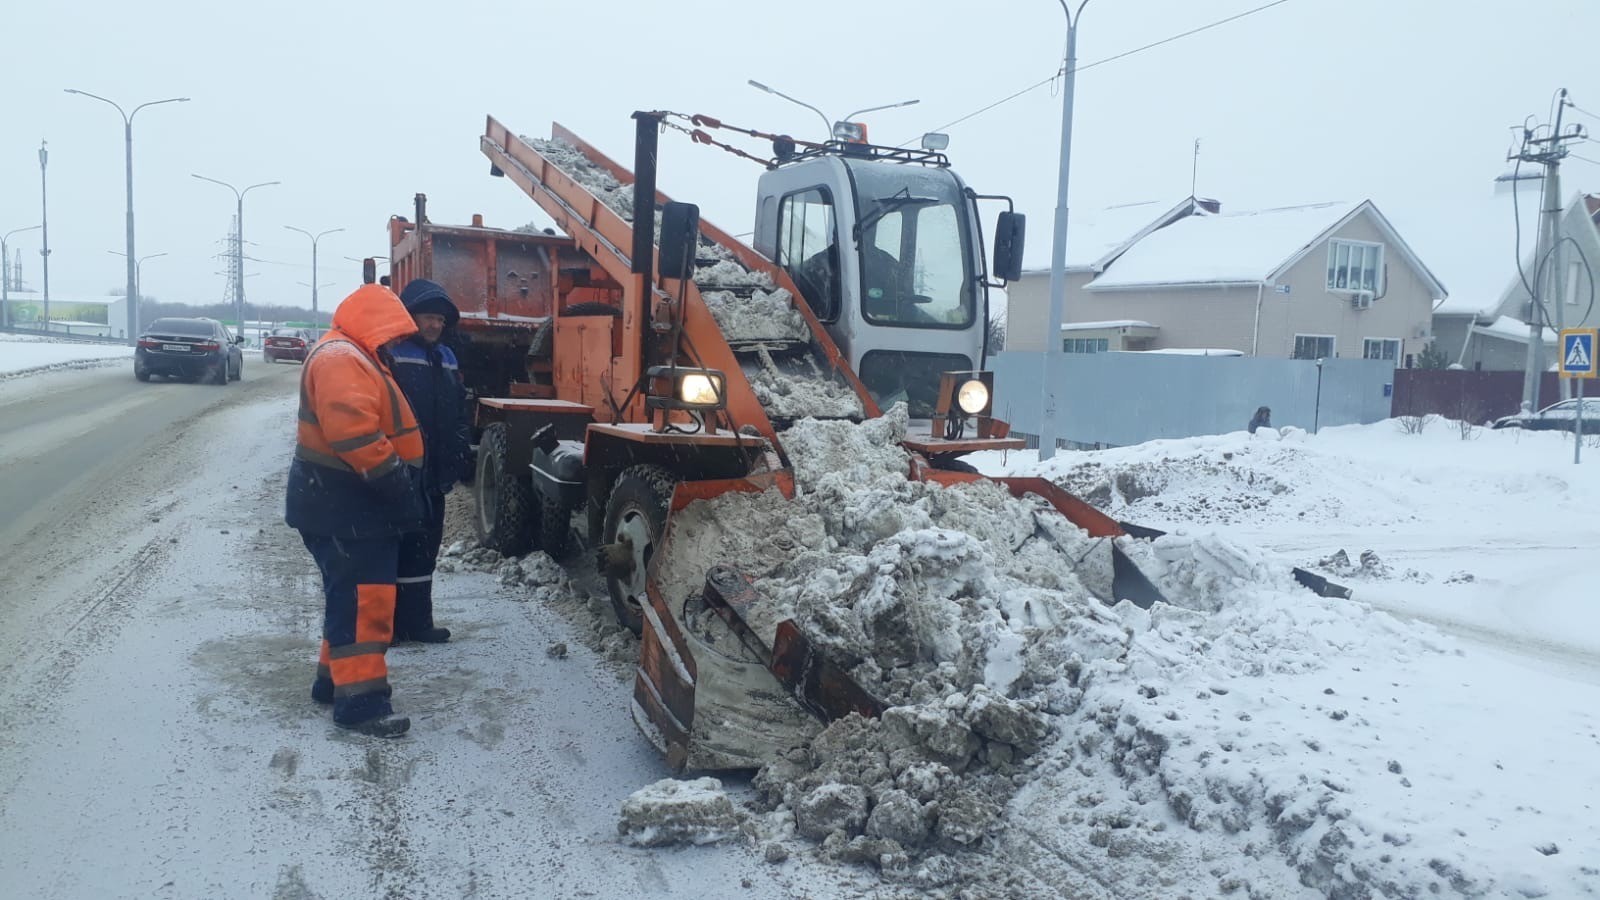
(157,645)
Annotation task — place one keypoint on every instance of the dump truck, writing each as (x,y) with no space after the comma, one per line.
(644,360)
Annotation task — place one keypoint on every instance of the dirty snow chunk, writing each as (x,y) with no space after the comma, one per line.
(763,316)
(727,272)
(678,812)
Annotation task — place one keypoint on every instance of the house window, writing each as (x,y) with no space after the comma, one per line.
(1380,348)
(1354,266)
(1313,346)
(1086,345)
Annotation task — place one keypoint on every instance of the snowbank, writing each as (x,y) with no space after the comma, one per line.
(24,354)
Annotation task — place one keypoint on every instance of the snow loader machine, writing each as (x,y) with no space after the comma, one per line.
(646,360)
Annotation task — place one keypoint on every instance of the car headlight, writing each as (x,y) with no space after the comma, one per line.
(700,389)
(972,397)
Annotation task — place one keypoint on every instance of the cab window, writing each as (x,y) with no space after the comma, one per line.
(808,249)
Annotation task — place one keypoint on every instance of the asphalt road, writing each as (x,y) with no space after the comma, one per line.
(67,437)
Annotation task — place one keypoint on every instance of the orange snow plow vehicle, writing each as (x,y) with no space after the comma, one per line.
(647,360)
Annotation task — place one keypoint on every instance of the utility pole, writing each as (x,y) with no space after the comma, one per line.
(44,227)
(1546,292)
(1048,424)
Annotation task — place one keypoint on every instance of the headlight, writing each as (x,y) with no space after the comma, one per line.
(972,397)
(699,389)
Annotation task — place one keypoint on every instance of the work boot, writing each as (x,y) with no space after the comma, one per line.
(424,636)
(382,726)
(322,690)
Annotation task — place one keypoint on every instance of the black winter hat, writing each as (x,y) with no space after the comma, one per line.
(424,296)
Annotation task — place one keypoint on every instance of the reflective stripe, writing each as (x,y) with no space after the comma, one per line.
(410,361)
(305,413)
(413,579)
(356,443)
(383,468)
(305,454)
(371,686)
(349,650)
(405,431)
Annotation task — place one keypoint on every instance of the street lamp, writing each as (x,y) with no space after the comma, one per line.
(138,281)
(127,139)
(314,239)
(238,243)
(5,274)
(44,228)
(831,125)
(1058,252)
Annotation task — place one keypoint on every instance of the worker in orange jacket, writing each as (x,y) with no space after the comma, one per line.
(354,490)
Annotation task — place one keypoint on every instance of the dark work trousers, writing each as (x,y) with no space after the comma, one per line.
(419,551)
(358,589)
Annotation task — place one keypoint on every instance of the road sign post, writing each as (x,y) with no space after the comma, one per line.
(1578,362)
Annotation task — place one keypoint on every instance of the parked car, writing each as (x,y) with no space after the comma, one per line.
(286,343)
(1561,416)
(190,349)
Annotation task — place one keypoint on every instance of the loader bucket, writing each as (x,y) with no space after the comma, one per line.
(1127,582)
(703,690)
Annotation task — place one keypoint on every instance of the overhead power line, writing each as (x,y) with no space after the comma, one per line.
(1100,62)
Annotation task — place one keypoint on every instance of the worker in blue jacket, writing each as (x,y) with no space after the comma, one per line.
(430,377)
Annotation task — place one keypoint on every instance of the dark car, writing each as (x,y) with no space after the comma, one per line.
(190,349)
(1561,416)
(286,343)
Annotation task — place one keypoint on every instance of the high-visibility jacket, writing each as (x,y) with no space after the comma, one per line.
(358,449)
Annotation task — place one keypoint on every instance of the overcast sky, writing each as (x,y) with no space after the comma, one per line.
(356,106)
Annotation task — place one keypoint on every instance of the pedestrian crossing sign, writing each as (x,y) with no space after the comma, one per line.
(1577,353)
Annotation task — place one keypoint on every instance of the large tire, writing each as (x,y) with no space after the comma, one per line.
(555,527)
(636,512)
(504,519)
(141,373)
(238,374)
(220,376)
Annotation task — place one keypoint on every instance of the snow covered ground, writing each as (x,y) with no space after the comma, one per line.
(1433,736)
(22,353)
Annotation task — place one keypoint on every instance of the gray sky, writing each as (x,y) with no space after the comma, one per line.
(355,106)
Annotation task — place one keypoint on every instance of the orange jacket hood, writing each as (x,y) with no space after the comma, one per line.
(373,316)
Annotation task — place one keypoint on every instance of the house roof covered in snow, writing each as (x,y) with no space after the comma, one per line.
(1241,247)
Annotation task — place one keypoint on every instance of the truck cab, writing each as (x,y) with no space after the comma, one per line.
(886,249)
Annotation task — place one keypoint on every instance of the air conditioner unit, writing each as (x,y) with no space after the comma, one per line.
(1361,300)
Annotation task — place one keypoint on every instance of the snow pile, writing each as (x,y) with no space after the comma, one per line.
(678,812)
(26,354)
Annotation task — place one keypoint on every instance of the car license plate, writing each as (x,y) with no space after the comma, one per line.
(179,348)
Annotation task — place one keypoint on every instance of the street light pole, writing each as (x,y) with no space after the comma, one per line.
(138,281)
(829,123)
(127,142)
(44,227)
(314,239)
(238,247)
(1058,253)
(5,274)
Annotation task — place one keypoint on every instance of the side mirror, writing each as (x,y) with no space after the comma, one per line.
(369,271)
(238,339)
(1009,230)
(680,236)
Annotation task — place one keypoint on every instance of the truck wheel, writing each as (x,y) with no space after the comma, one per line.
(636,518)
(505,510)
(555,527)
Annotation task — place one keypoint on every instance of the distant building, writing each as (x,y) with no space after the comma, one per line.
(102,316)
(1326,280)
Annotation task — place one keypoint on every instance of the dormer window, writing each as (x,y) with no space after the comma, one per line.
(1355,266)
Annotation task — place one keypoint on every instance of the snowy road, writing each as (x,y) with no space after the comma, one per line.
(155,652)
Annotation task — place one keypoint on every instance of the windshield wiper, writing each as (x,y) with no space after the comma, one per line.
(885,205)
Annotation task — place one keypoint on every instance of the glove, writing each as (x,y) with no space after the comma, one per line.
(401,495)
